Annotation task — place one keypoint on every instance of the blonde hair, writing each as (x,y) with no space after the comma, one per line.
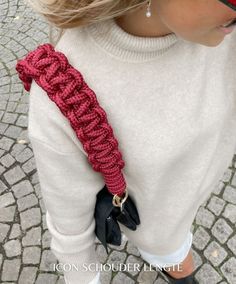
(64,14)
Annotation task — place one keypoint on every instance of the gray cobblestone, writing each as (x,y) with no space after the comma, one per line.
(207,275)
(230,212)
(46,278)
(196,259)
(12,248)
(10,269)
(131,249)
(6,143)
(13,131)
(30,218)
(15,231)
(46,241)
(47,261)
(134,264)
(232,244)
(31,255)
(216,205)
(122,278)
(9,117)
(229,270)
(221,230)
(24,155)
(101,253)
(116,257)
(4,229)
(6,199)
(227,175)
(215,253)
(234,179)
(29,165)
(3,187)
(14,175)
(22,108)
(230,194)
(22,188)
(32,237)
(204,217)
(7,160)
(105,277)
(7,214)
(147,276)
(22,121)
(28,275)
(200,238)
(27,202)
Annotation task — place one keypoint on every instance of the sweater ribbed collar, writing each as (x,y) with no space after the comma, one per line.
(117,42)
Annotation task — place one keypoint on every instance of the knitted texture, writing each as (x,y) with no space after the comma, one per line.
(66,87)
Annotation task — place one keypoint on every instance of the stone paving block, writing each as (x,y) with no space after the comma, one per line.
(15,231)
(62,281)
(7,214)
(230,212)
(204,217)
(216,205)
(4,228)
(12,248)
(134,265)
(3,187)
(17,149)
(116,257)
(11,106)
(47,261)
(6,143)
(221,230)
(46,278)
(14,175)
(207,275)
(7,160)
(22,188)
(147,275)
(42,205)
(200,238)
(196,259)
(229,270)
(6,199)
(24,155)
(13,131)
(232,244)
(233,182)
(22,108)
(3,126)
(22,121)
(32,237)
(230,194)
(29,166)
(9,117)
(1,260)
(131,249)
(215,253)
(10,269)
(27,202)
(31,255)
(28,275)
(2,170)
(120,277)
(46,241)
(30,218)
(101,253)
(227,175)
(105,277)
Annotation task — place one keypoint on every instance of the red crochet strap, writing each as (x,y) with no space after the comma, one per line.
(66,87)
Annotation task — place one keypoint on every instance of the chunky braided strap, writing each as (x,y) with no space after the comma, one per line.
(66,87)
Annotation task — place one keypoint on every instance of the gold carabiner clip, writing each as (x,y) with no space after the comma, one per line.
(119,201)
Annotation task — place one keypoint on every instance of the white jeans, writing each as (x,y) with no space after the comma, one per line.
(160,260)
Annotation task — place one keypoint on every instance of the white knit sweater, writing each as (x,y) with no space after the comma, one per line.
(172,106)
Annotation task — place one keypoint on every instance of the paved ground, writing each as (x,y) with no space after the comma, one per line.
(25,256)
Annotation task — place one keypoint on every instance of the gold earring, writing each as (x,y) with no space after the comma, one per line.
(148,12)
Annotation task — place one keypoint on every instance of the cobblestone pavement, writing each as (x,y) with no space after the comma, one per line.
(25,255)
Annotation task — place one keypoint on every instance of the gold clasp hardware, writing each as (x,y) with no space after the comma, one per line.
(119,201)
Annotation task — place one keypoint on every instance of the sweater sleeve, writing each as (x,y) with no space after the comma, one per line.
(68,186)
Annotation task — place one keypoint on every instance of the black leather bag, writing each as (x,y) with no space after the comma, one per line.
(107,217)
